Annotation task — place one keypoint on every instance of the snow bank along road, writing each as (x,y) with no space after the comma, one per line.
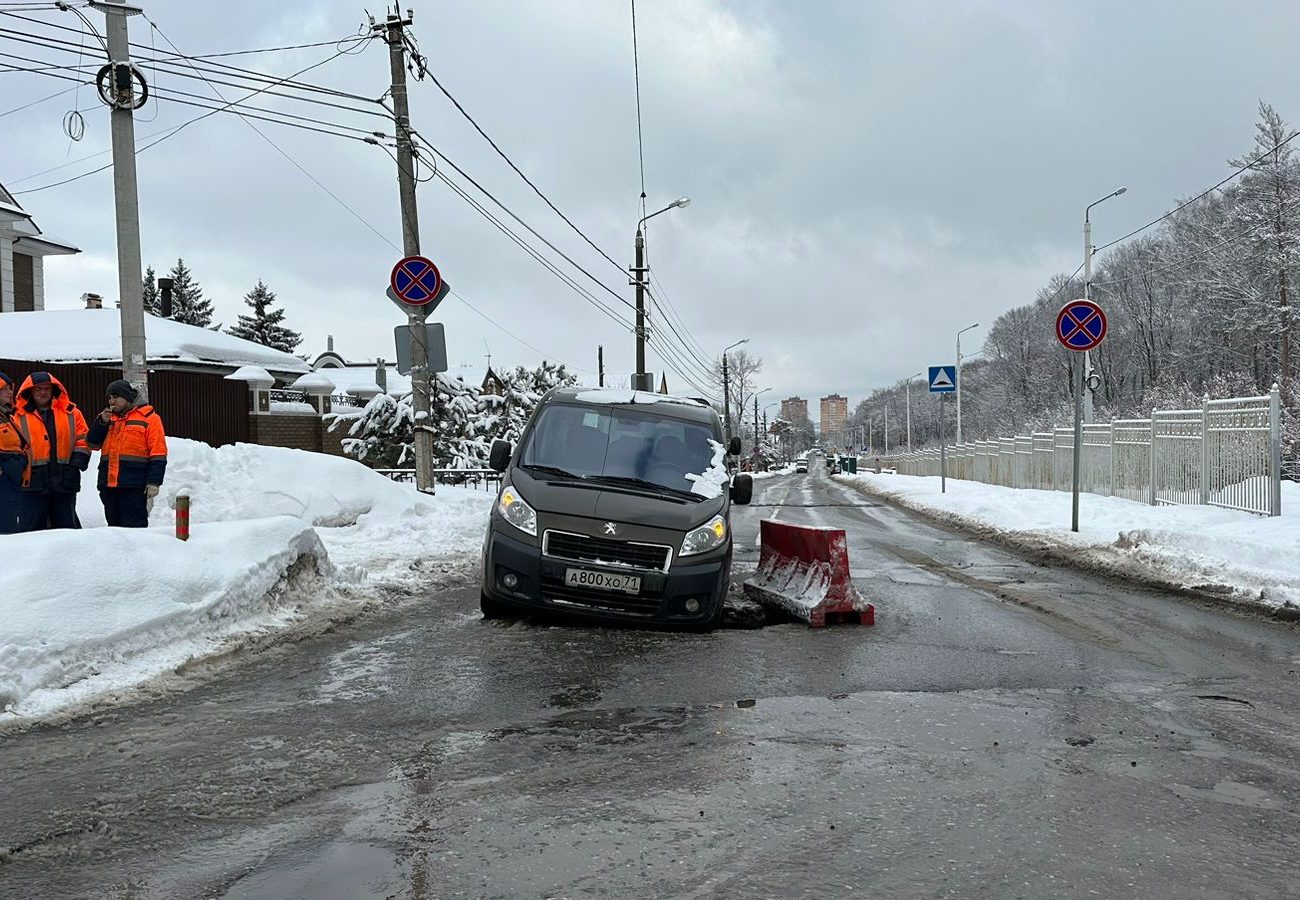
(283,541)
(1007,729)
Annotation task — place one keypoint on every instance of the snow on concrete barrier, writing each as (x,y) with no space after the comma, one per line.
(805,572)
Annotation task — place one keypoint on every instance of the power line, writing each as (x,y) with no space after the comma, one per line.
(531,251)
(520,172)
(1179,262)
(202,73)
(511,334)
(37,102)
(186,124)
(1209,190)
(636,73)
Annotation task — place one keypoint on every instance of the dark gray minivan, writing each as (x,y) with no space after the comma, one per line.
(615,505)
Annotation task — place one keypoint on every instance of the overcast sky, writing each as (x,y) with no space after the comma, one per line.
(866,177)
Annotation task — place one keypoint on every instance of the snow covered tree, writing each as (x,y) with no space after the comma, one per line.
(463,419)
(149,292)
(188,303)
(264,325)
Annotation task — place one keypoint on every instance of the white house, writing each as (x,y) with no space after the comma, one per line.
(23,248)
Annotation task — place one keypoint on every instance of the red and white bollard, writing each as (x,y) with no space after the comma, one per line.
(183,517)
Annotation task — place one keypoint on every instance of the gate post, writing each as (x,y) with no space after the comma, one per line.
(1152,475)
(1274,452)
(1205,450)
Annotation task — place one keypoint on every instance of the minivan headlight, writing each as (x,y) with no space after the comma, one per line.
(515,511)
(708,536)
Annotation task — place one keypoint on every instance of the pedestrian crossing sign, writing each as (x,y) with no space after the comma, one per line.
(943,379)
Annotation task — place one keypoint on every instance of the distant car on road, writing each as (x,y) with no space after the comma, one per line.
(801,465)
(615,505)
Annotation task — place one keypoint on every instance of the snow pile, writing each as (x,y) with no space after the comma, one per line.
(710,483)
(277,536)
(138,601)
(1250,558)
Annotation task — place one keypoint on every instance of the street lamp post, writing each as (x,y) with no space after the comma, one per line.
(642,381)
(959,334)
(1081,364)
(756,393)
(726,391)
(908,392)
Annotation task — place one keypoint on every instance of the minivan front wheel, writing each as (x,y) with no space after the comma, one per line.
(494,609)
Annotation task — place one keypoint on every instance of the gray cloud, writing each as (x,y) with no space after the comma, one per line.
(867,177)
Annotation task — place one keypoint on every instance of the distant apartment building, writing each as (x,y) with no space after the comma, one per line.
(834,419)
(794,409)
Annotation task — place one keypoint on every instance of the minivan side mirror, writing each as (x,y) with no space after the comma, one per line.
(734,446)
(500,456)
(742,489)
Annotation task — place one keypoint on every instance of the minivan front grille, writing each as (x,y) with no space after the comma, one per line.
(602,551)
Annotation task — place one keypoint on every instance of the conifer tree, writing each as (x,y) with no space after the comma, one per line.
(264,325)
(149,293)
(188,303)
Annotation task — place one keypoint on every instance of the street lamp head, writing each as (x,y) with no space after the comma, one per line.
(1120,191)
(683,202)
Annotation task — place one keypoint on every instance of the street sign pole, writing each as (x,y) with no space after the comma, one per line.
(943,447)
(1080,327)
(392,31)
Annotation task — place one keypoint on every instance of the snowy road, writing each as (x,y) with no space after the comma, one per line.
(1007,729)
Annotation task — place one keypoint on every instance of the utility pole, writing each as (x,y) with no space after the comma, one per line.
(886,428)
(958,373)
(755,422)
(726,399)
(121,88)
(395,38)
(600,365)
(639,277)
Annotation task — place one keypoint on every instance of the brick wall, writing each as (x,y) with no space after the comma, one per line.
(299,432)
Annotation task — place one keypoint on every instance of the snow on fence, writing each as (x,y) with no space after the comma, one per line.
(1228,453)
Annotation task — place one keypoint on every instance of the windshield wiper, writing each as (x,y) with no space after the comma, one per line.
(553,470)
(642,483)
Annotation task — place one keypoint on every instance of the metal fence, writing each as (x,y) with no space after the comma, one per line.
(488,479)
(1228,453)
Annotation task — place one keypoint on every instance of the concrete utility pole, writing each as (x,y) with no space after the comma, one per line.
(639,272)
(726,400)
(600,365)
(393,35)
(121,90)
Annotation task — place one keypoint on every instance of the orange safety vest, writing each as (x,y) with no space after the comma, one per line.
(55,461)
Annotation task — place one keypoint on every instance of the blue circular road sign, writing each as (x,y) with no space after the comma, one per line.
(416,280)
(1080,325)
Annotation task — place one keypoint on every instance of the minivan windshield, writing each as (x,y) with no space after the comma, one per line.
(619,446)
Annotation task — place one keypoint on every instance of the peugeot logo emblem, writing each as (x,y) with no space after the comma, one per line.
(611,528)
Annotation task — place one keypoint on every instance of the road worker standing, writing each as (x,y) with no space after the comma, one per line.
(13,459)
(55,432)
(133,456)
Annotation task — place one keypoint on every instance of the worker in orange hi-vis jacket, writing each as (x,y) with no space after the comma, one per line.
(133,456)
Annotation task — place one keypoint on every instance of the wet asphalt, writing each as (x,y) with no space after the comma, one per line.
(1007,729)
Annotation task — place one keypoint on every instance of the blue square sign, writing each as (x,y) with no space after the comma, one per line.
(943,379)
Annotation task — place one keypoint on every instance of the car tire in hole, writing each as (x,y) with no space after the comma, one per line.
(495,609)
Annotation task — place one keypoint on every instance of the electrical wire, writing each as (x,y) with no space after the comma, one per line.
(61,93)
(518,171)
(1209,190)
(211,112)
(640,142)
(478,312)
(533,252)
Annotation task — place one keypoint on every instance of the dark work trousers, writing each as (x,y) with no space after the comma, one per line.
(40,511)
(10,503)
(125,507)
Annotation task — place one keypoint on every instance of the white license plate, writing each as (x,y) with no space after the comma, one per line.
(602,581)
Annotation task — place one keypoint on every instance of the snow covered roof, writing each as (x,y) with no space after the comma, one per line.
(358,378)
(95,335)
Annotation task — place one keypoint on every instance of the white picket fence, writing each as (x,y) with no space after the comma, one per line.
(1228,453)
